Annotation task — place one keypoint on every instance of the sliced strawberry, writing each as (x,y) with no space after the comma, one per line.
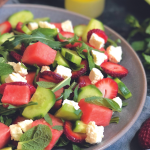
(108,87)
(58,26)
(31,87)
(99,32)
(16,56)
(19,26)
(68,35)
(73,136)
(23,48)
(76,74)
(114,70)
(5,27)
(51,76)
(84,81)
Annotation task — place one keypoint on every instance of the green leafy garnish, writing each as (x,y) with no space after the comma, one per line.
(48,119)
(5,69)
(67,93)
(36,74)
(59,128)
(75,147)
(63,141)
(138,45)
(45,84)
(77,112)
(115,120)
(104,102)
(76,93)
(2,60)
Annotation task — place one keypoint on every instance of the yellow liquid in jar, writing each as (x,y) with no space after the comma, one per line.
(89,8)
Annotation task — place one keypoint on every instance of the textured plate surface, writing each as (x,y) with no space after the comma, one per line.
(135,80)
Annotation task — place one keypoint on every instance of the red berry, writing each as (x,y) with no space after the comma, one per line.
(84,81)
(23,48)
(99,32)
(144,135)
(16,56)
(114,70)
(19,26)
(5,27)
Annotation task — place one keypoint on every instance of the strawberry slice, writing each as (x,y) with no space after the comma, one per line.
(5,27)
(68,35)
(16,56)
(73,136)
(19,26)
(58,26)
(114,70)
(76,74)
(51,76)
(108,87)
(99,32)
(84,81)
(31,87)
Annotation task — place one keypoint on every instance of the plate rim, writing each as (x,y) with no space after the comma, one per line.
(141,104)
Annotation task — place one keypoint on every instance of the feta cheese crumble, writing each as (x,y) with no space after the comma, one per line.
(98,57)
(94,133)
(118,101)
(25,125)
(95,75)
(63,71)
(114,54)
(32,25)
(15,77)
(67,26)
(96,41)
(74,104)
(45,68)
(15,132)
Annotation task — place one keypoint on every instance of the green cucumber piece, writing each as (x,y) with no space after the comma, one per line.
(26,30)
(79,29)
(45,99)
(6,148)
(123,90)
(80,127)
(89,91)
(93,24)
(21,16)
(67,112)
(71,56)
(5,37)
(61,60)
(3,78)
(37,20)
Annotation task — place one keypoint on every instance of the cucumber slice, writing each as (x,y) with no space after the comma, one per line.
(80,127)
(5,37)
(6,148)
(21,16)
(37,20)
(71,56)
(89,91)
(61,60)
(79,29)
(45,99)
(123,90)
(26,30)
(93,24)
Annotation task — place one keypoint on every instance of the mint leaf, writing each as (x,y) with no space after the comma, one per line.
(45,84)
(77,112)
(75,147)
(36,138)
(115,120)
(109,103)
(59,128)
(48,119)
(5,69)
(138,45)
(8,122)
(67,93)
(76,93)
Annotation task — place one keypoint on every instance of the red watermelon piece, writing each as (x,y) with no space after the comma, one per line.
(40,54)
(91,112)
(16,95)
(4,135)
(30,77)
(55,133)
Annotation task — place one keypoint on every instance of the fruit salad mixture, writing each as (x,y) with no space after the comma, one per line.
(60,85)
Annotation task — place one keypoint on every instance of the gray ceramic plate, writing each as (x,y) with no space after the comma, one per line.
(135,80)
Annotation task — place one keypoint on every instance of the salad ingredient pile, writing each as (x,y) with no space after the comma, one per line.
(60,84)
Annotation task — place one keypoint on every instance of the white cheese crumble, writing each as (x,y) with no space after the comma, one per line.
(98,57)
(94,133)
(45,68)
(15,77)
(74,104)
(114,54)
(67,26)
(95,75)
(63,71)
(118,101)
(15,132)
(96,41)
(25,125)
(32,25)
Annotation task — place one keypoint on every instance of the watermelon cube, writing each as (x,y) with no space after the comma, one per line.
(55,133)
(40,54)
(91,112)
(4,135)
(16,95)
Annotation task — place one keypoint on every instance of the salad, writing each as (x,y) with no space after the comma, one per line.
(60,85)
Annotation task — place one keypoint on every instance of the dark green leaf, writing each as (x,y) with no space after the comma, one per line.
(104,102)
(2,60)
(8,122)
(45,84)
(5,54)
(118,41)
(36,74)
(147,29)
(90,61)
(1,119)
(75,147)
(138,45)
(77,112)
(115,120)
(133,33)
(76,93)
(111,42)
(5,69)
(48,119)
(147,51)
(147,58)
(67,93)
(62,142)
(147,40)
(124,104)
(59,128)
